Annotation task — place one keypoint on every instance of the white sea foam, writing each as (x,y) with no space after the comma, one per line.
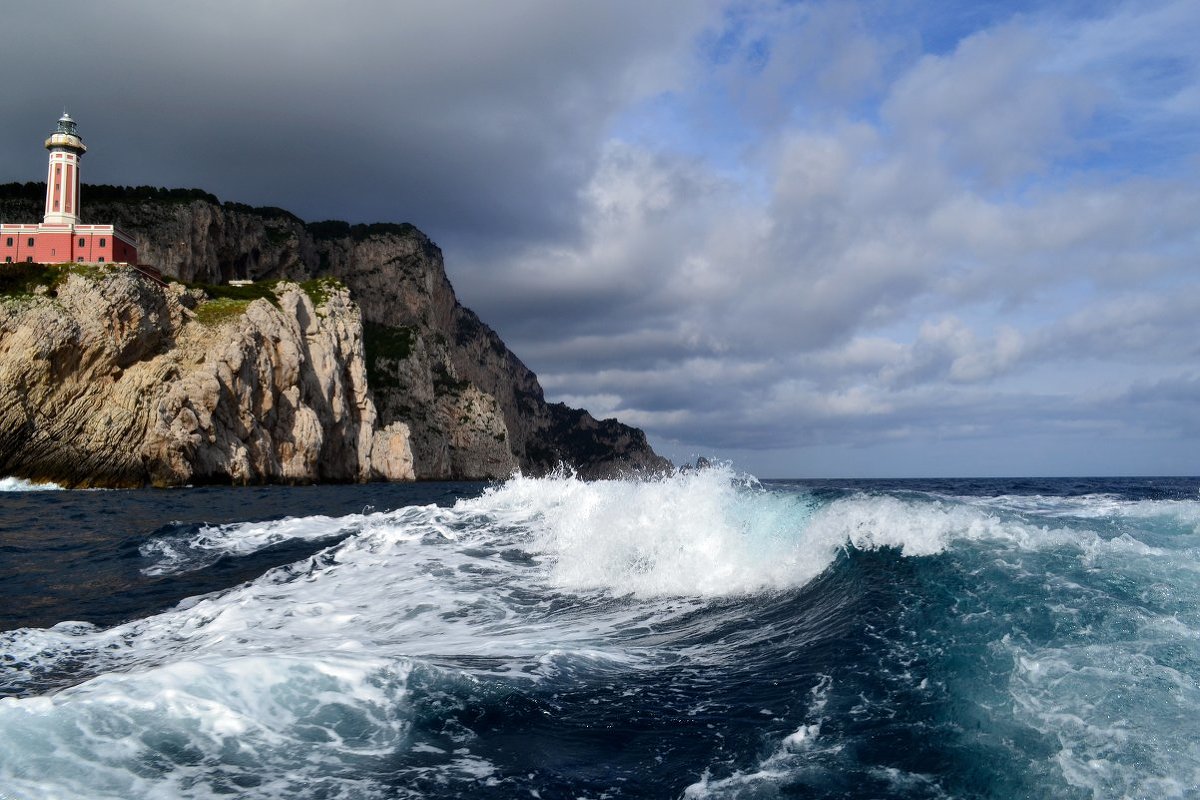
(800,751)
(703,533)
(1118,692)
(532,580)
(257,726)
(1124,720)
(22,485)
(1094,507)
(707,533)
(173,555)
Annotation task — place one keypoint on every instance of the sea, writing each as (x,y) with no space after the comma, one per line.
(702,635)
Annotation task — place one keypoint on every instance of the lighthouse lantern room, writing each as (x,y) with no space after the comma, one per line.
(60,237)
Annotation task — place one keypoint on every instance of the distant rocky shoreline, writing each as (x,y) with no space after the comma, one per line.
(347,359)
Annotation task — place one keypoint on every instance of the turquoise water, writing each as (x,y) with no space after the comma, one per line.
(705,635)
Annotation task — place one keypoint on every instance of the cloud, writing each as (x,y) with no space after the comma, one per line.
(991,110)
(767,227)
(963,264)
(475,121)
(1167,404)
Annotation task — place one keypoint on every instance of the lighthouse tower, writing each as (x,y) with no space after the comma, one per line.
(62,181)
(60,237)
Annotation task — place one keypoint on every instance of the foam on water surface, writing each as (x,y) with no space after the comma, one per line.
(490,576)
(22,485)
(175,554)
(260,727)
(708,533)
(539,589)
(1179,515)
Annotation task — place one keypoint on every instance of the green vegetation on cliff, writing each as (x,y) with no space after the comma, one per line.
(30,195)
(26,279)
(220,309)
(265,212)
(226,301)
(104,193)
(262,290)
(385,342)
(319,289)
(336,229)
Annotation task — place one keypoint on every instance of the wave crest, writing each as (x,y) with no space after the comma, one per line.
(705,533)
(22,485)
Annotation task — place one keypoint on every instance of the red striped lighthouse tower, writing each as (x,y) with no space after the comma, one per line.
(62,181)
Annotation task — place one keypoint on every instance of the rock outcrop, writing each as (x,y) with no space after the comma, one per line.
(108,378)
(472,408)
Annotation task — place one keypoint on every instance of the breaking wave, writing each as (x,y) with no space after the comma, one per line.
(22,485)
(421,650)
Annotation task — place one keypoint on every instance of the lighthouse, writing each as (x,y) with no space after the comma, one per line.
(62,180)
(60,237)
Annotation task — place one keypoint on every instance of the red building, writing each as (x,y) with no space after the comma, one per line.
(60,237)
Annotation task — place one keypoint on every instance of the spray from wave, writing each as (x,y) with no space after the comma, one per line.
(22,485)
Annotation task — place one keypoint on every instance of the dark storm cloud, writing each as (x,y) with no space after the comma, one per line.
(477,122)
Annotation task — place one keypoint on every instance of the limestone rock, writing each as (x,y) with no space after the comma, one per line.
(391,453)
(113,382)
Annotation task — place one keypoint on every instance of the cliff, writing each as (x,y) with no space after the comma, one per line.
(108,378)
(471,409)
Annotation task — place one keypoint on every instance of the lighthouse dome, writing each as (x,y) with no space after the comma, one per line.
(67,125)
(66,135)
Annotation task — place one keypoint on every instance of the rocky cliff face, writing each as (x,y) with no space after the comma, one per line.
(110,379)
(472,408)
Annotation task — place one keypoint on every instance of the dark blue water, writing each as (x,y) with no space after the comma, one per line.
(702,636)
(74,555)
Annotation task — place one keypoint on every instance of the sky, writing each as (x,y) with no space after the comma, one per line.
(815,239)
